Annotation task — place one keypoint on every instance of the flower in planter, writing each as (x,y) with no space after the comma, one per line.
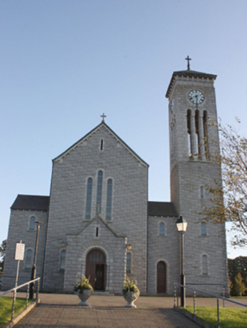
(130,287)
(82,284)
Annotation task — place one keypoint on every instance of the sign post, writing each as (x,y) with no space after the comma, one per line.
(19,256)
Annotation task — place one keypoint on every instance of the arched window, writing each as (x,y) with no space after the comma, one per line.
(99,192)
(28,262)
(109,200)
(205,132)
(203,229)
(62,259)
(204,265)
(161,229)
(128,264)
(197,131)
(89,198)
(189,132)
(32,223)
(202,192)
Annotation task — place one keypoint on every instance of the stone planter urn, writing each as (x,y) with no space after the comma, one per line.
(84,296)
(130,298)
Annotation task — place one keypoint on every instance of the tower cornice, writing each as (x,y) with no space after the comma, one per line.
(188,74)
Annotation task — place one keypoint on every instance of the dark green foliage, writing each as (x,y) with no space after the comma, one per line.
(82,283)
(236,266)
(2,256)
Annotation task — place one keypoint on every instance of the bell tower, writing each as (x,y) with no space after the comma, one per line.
(193,141)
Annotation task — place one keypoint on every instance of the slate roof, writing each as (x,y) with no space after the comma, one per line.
(41,203)
(161,209)
(32,203)
(190,74)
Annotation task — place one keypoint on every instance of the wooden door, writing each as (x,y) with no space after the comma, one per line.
(161,277)
(99,277)
(95,269)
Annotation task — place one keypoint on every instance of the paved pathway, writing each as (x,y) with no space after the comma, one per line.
(58,310)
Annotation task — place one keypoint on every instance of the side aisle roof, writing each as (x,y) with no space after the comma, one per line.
(164,209)
(31,203)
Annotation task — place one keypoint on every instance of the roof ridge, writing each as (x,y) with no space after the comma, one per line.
(76,144)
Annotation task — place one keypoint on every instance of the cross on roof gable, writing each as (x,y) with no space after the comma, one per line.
(97,128)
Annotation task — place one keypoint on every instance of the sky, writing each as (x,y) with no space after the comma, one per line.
(65,62)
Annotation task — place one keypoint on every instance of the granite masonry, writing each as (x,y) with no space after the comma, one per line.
(98,221)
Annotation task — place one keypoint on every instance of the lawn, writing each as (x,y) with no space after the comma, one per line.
(6,308)
(229,317)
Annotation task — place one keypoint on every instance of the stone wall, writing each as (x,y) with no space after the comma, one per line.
(114,248)
(68,199)
(188,175)
(19,230)
(162,248)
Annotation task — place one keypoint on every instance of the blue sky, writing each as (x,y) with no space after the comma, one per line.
(64,63)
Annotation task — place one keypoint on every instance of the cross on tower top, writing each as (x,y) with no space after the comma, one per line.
(103,117)
(188,62)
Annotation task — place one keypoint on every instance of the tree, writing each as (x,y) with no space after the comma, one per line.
(229,195)
(235,266)
(230,284)
(239,284)
(2,254)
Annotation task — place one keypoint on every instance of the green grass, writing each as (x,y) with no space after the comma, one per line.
(6,308)
(229,317)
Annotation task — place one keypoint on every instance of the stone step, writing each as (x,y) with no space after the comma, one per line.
(99,292)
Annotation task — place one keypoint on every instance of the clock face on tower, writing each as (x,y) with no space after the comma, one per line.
(196,97)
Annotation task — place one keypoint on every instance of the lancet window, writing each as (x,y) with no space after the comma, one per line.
(89,198)
(99,192)
(62,259)
(204,265)
(161,229)
(109,200)
(128,266)
(197,131)
(203,229)
(189,132)
(32,223)
(205,132)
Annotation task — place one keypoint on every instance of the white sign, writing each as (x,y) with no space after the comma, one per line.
(19,251)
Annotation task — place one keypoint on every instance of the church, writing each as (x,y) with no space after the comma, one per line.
(98,221)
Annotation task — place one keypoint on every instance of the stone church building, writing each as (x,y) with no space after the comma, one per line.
(98,221)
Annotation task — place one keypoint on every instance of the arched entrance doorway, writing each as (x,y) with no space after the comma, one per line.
(96,268)
(161,277)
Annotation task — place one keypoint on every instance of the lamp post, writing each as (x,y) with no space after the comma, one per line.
(182,226)
(33,274)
